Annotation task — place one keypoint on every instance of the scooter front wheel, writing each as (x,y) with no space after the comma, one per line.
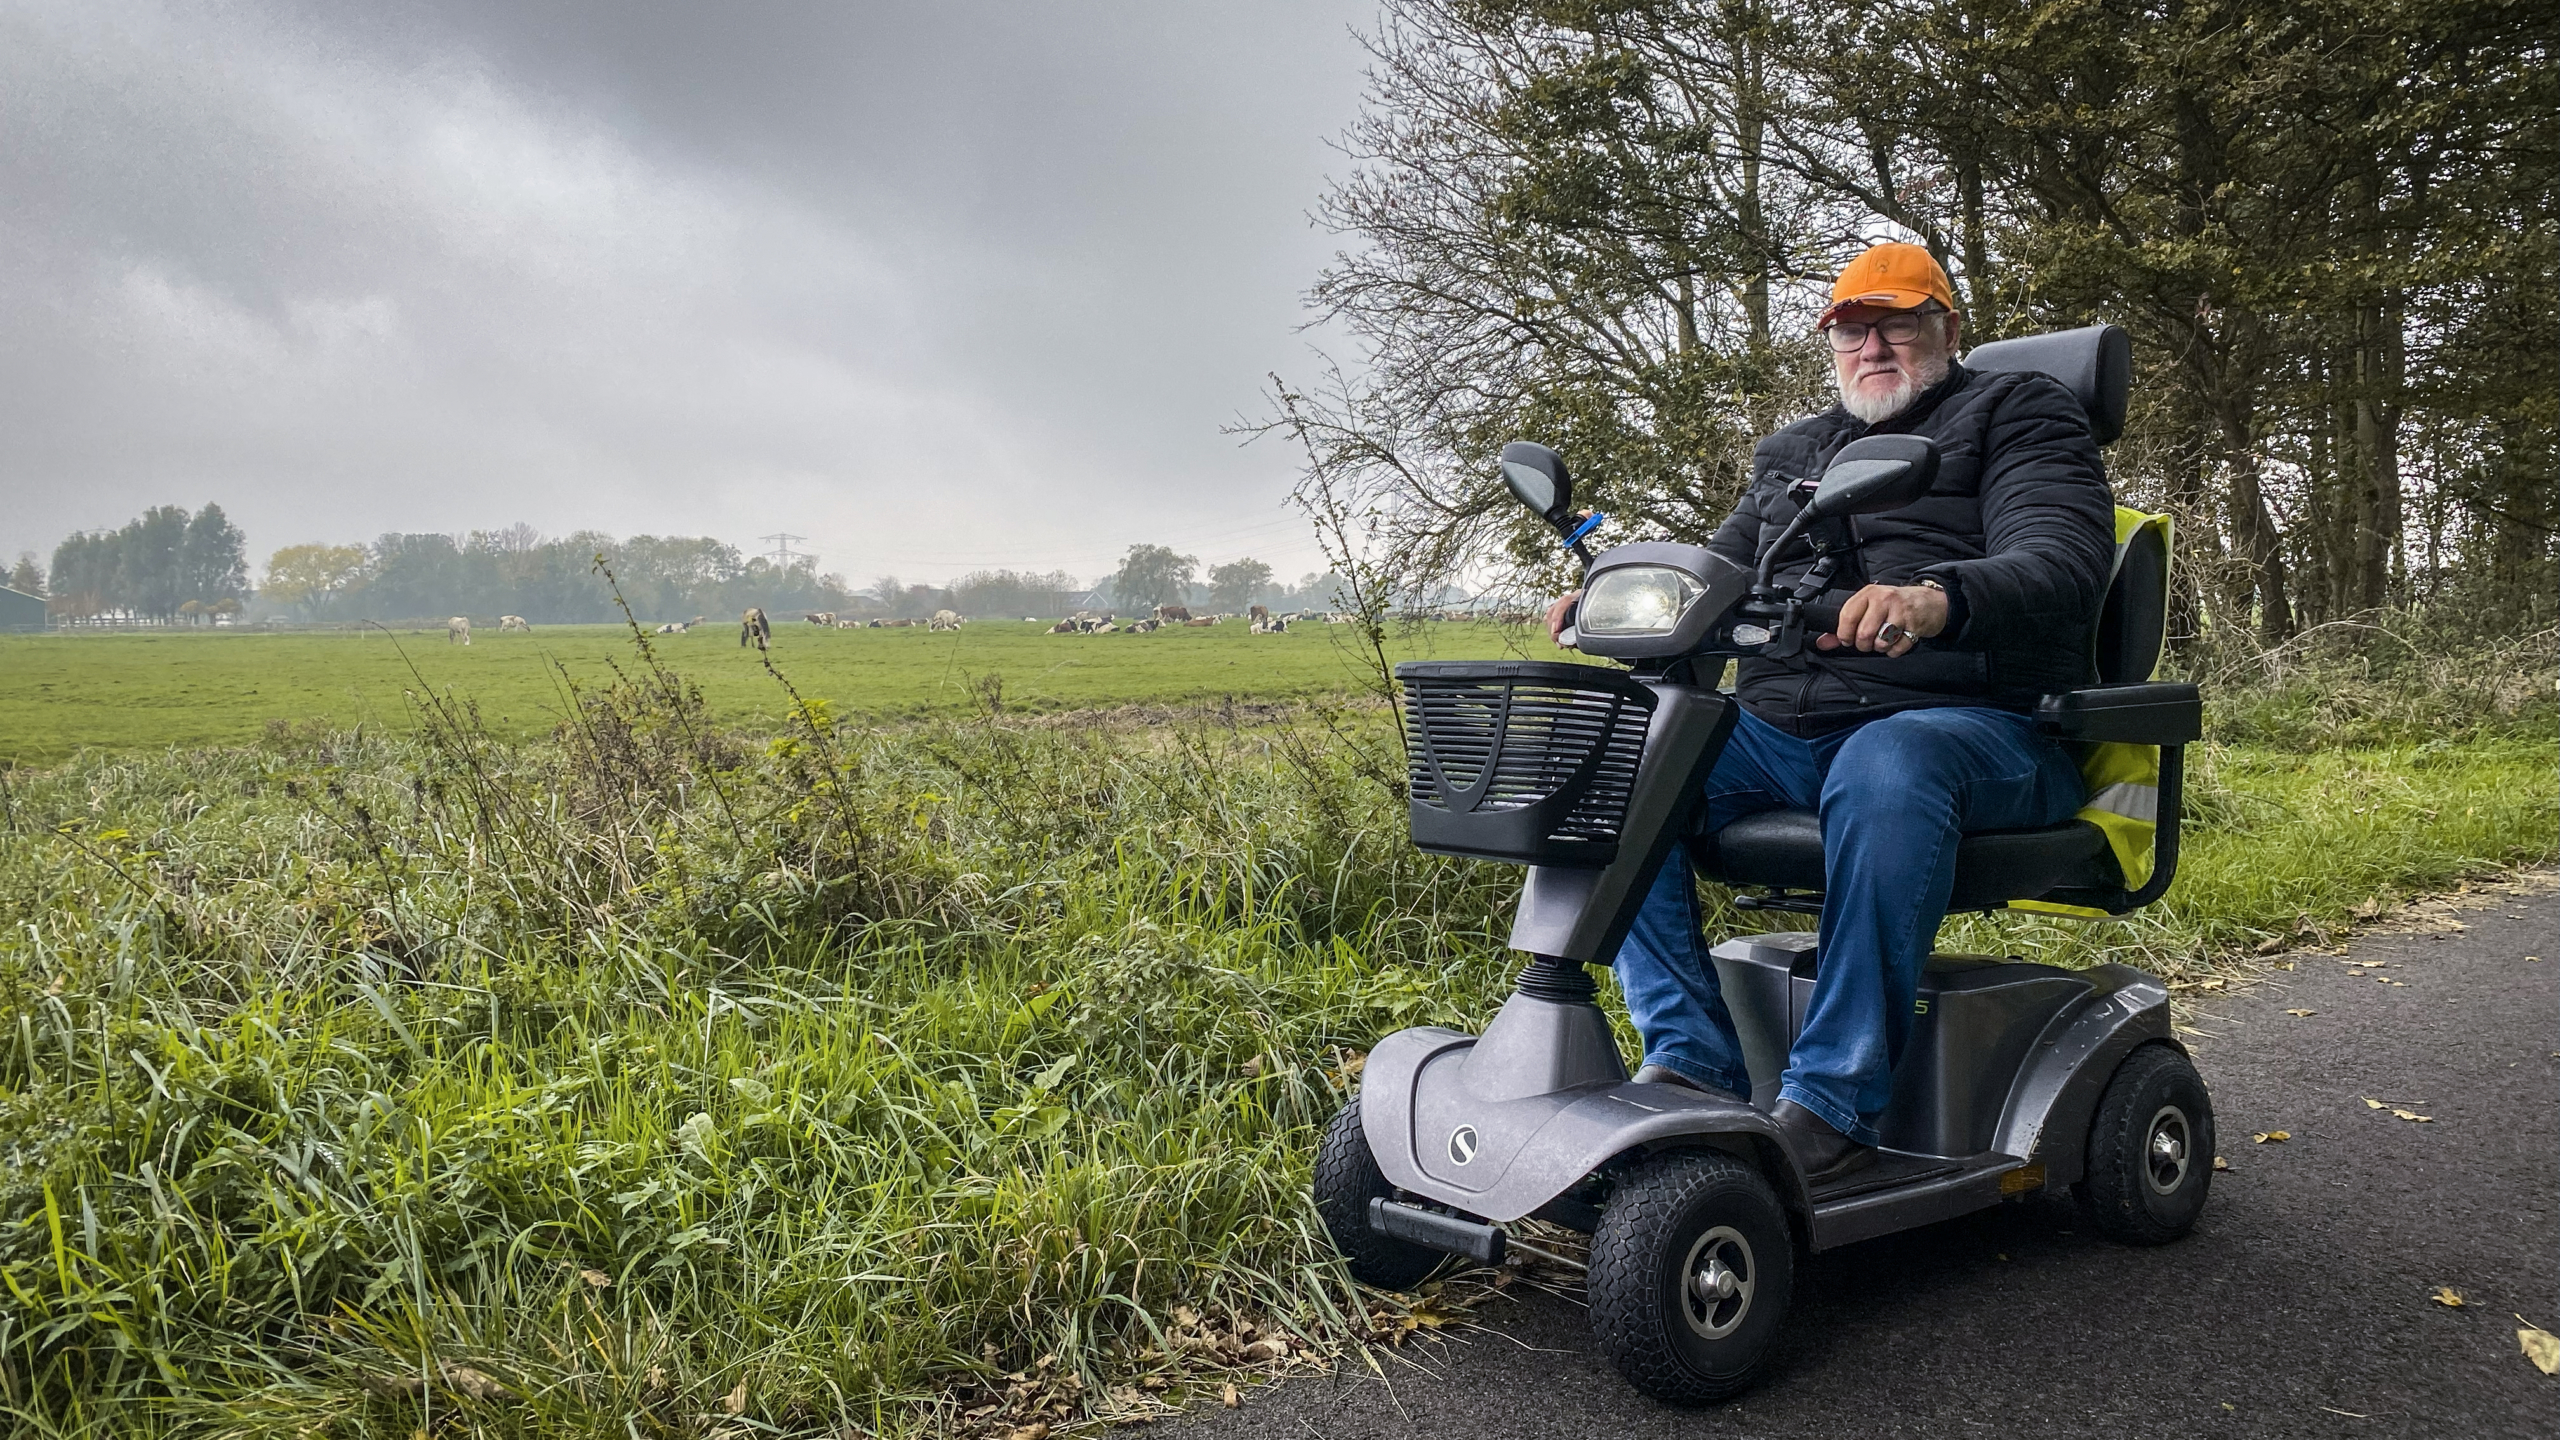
(1346,1179)
(1691,1271)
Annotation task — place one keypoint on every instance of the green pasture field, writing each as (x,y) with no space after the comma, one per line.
(127,691)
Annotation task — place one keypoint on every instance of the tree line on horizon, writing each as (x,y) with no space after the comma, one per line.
(165,564)
(168,565)
(2328,226)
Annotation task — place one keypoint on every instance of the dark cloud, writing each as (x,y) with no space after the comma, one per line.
(937,285)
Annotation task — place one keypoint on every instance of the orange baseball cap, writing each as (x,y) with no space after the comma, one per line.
(1893,276)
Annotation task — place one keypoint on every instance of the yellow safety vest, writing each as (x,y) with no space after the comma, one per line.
(2122,779)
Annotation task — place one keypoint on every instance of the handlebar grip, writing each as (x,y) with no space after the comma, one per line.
(1821,617)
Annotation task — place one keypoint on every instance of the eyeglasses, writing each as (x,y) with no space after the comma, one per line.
(1850,336)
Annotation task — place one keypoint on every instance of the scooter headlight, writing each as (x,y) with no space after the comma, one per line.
(1637,600)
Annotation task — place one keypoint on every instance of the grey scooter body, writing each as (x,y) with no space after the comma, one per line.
(1994,1095)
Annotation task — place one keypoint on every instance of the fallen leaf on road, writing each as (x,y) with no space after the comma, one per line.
(1233,1396)
(2271,945)
(2540,1346)
(2221,1164)
(2270,1137)
(2412,1115)
(2448,1297)
(2302,1012)
(2369,1102)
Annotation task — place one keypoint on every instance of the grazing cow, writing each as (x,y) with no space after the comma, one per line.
(514,622)
(754,629)
(944,620)
(1173,615)
(458,630)
(821,618)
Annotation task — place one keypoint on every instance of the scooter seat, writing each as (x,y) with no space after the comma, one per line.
(1782,849)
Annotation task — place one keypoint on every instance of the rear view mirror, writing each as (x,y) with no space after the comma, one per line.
(1871,476)
(1538,479)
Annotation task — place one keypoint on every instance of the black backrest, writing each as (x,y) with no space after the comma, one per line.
(2094,362)
(2134,621)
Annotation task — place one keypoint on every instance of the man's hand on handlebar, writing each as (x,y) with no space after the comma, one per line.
(1908,614)
(1559,615)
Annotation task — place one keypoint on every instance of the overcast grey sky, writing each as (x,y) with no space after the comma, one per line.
(940,286)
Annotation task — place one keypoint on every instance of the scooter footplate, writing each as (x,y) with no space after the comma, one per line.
(1902,1191)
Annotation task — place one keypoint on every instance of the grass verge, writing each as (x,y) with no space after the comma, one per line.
(655,1080)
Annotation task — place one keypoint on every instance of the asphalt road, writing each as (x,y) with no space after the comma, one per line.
(2300,1305)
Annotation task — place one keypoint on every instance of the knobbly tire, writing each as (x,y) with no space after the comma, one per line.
(1691,1270)
(2150,1150)
(1347,1178)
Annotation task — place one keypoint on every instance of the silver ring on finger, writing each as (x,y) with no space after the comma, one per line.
(1892,634)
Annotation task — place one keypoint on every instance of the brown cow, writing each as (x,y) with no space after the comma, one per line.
(1173,615)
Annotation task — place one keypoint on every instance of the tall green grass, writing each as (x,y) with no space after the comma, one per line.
(656,1078)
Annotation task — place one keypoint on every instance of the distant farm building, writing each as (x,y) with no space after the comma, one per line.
(20,611)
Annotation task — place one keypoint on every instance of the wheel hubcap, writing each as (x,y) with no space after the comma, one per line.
(1717,1281)
(2167,1152)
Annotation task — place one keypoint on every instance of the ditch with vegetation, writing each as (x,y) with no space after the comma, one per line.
(663,1077)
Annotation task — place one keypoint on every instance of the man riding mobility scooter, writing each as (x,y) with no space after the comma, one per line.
(2015,1077)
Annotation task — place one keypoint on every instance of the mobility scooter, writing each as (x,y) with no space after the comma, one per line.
(2016,1077)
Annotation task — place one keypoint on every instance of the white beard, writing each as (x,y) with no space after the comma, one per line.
(1875,409)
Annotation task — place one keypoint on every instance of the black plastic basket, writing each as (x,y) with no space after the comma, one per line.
(1522,760)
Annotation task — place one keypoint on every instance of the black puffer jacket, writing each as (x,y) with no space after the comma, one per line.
(2020,527)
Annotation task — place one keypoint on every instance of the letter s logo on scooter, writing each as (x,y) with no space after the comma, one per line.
(1462,1144)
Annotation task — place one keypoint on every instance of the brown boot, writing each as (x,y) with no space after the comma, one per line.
(1665,1075)
(1824,1154)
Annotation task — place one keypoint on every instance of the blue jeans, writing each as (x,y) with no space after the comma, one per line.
(1894,794)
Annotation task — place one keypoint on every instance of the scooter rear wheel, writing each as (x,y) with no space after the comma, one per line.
(1347,1178)
(1691,1271)
(2150,1150)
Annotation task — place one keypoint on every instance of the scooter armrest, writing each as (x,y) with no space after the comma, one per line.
(2151,712)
